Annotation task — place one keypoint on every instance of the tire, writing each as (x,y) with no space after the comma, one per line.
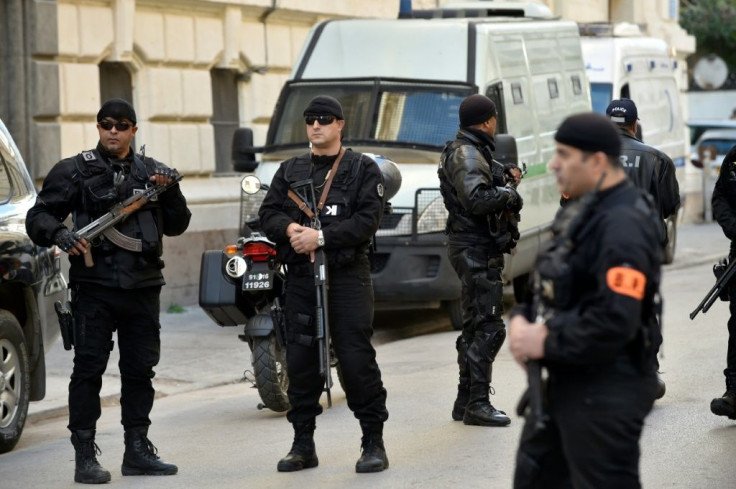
(272,381)
(669,249)
(455,312)
(15,381)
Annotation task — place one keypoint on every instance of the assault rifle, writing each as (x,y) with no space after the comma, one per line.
(304,189)
(716,291)
(118,213)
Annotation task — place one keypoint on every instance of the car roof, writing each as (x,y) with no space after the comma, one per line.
(718,134)
(714,123)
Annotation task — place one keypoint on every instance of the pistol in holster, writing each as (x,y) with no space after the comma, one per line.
(70,335)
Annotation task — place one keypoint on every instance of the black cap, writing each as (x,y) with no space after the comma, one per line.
(117,109)
(476,109)
(622,111)
(591,132)
(324,105)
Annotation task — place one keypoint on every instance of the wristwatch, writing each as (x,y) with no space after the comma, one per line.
(320,238)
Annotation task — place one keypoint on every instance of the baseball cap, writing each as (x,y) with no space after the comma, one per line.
(622,111)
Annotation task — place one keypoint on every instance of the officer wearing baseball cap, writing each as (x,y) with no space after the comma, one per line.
(590,322)
(651,170)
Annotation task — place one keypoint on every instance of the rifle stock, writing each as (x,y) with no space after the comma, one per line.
(715,291)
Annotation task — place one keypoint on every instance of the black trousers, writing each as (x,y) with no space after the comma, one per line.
(730,371)
(350,302)
(591,435)
(134,314)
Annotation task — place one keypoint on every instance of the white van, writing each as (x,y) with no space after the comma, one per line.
(621,63)
(400,83)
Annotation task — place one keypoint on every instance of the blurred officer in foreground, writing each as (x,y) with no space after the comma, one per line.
(121,291)
(355,203)
(724,210)
(650,169)
(478,201)
(591,320)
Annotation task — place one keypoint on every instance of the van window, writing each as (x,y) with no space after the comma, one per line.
(600,96)
(495,93)
(376,110)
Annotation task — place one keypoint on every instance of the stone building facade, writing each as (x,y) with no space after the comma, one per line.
(195,70)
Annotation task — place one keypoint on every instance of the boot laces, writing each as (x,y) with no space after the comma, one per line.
(370,443)
(89,451)
(149,449)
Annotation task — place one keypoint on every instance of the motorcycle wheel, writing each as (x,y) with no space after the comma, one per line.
(272,381)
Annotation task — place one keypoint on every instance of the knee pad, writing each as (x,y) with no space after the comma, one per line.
(461,345)
(486,346)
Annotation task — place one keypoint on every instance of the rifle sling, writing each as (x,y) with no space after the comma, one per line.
(325,191)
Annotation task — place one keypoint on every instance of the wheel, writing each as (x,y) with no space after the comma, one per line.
(15,381)
(272,381)
(455,311)
(669,249)
(521,288)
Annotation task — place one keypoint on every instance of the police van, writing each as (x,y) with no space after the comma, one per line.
(622,63)
(400,83)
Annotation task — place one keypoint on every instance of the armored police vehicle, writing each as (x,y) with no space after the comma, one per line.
(400,83)
(622,63)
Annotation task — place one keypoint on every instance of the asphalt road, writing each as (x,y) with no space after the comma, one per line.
(206,419)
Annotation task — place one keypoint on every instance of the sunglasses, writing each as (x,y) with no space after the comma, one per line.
(323,120)
(120,126)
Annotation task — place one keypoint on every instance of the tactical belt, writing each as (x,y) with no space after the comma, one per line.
(123,241)
(325,191)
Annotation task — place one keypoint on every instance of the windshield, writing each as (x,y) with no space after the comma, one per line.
(386,111)
(723,146)
(600,96)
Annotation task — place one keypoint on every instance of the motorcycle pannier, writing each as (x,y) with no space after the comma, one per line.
(219,295)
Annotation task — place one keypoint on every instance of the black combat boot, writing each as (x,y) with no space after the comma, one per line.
(726,405)
(463,386)
(463,395)
(373,457)
(87,469)
(302,455)
(480,411)
(140,455)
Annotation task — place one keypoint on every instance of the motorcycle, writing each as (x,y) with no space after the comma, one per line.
(244,285)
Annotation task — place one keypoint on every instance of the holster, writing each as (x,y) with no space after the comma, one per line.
(718,270)
(70,335)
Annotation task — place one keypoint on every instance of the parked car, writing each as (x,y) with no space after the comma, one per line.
(699,126)
(722,139)
(30,282)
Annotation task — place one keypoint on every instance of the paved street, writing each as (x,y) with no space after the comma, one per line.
(206,419)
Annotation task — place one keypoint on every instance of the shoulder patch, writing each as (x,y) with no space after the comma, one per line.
(89,155)
(626,281)
(379,189)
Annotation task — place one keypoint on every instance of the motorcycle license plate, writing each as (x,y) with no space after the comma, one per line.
(258,280)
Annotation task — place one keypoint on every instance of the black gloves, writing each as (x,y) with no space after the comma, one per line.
(165,171)
(65,239)
(515,201)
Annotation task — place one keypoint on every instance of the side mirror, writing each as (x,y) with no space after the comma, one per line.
(506,151)
(251,185)
(243,152)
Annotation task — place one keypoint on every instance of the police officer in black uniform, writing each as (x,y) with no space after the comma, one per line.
(120,291)
(592,320)
(724,210)
(350,218)
(478,201)
(649,168)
